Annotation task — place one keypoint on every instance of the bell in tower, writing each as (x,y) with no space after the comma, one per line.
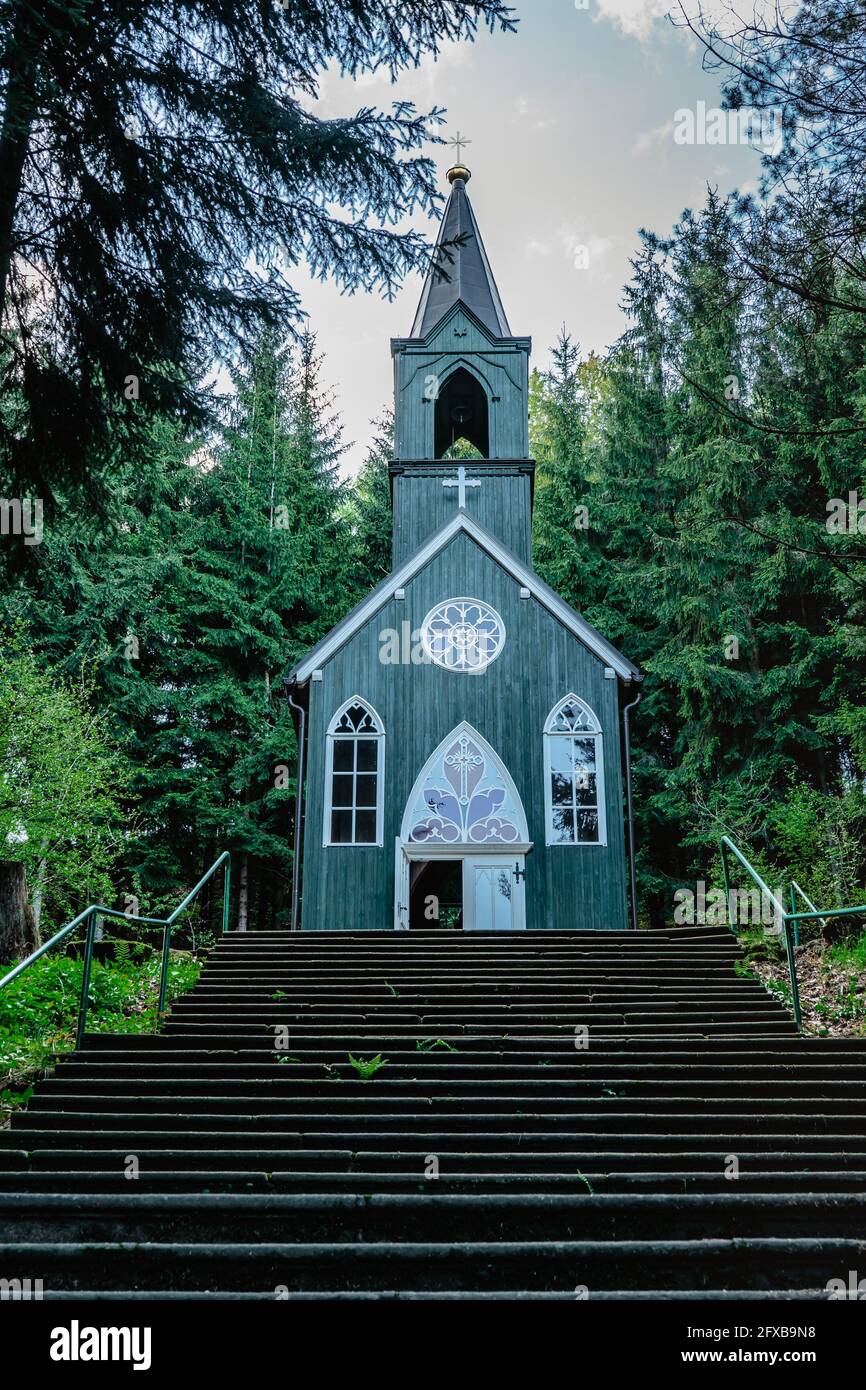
(462,414)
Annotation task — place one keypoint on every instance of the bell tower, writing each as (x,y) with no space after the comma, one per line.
(461,398)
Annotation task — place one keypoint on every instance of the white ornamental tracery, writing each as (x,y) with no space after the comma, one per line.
(463,634)
(464,796)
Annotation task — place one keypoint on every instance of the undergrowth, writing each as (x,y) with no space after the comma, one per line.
(39,1010)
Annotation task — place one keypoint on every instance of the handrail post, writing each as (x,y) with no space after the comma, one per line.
(89,937)
(227,888)
(792,964)
(787,917)
(727,882)
(163,974)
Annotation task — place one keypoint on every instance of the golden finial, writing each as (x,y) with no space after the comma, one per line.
(459,170)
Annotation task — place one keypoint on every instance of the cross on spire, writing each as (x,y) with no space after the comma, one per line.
(458,141)
(461,482)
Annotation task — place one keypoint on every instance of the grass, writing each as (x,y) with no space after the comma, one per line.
(850,954)
(39,1010)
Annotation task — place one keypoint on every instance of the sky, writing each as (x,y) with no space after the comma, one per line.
(573,122)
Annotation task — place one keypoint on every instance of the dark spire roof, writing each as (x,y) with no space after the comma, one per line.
(469,277)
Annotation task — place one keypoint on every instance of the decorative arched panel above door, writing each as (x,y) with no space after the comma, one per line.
(464,796)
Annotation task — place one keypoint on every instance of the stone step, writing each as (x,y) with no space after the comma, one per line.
(542,1265)
(580,1158)
(527,1216)
(362,1184)
(557,1166)
(660,1115)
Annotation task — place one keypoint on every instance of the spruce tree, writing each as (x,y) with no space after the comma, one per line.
(163,169)
(369,509)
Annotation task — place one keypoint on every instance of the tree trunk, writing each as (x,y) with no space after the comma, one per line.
(18,932)
(19,111)
(243,893)
(38,892)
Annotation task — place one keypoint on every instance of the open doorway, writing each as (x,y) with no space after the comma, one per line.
(436,894)
(479,892)
(462,414)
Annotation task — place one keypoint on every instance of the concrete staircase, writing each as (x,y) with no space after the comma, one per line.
(557,1113)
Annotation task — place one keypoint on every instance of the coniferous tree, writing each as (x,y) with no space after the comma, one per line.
(230,556)
(162,168)
(713,436)
(369,510)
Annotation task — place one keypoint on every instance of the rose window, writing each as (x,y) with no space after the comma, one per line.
(463,635)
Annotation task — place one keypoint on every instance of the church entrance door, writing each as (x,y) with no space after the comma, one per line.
(472,892)
(463,841)
(493,896)
(436,894)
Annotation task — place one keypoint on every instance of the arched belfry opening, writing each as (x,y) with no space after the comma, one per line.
(462,413)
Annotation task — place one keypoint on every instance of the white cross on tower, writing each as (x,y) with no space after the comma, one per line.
(461,482)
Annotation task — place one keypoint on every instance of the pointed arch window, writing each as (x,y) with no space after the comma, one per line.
(354,775)
(462,413)
(574,775)
(464,795)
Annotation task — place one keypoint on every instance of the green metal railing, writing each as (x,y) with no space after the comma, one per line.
(93,915)
(795,888)
(786,918)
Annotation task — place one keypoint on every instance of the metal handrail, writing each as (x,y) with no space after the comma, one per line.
(726,844)
(96,911)
(795,888)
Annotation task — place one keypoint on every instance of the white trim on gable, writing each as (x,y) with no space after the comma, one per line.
(519,572)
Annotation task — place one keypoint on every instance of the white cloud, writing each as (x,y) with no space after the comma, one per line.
(634,17)
(586,252)
(638,17)
(659,136)
(530,109)
(338,93)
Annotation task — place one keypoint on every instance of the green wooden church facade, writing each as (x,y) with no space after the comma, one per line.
(461,728)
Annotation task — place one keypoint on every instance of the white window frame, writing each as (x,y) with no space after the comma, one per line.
(595,732)
(333,737)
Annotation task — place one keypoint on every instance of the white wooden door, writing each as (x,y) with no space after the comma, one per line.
(493,894)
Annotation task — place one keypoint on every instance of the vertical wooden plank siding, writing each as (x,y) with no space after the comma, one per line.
(351,887)
(420,368)
(502,504)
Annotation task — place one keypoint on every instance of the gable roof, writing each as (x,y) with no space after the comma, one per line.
(460,271)
(522,574)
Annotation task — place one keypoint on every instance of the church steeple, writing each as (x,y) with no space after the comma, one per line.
(460,271)
(461,390)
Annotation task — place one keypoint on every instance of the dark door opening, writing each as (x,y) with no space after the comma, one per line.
(436,894)
(462,413)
